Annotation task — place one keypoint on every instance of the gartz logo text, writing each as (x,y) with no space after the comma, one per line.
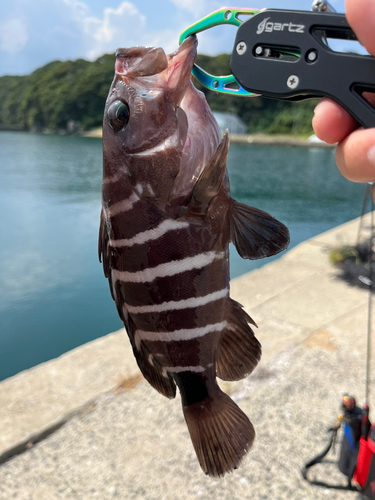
(269,27)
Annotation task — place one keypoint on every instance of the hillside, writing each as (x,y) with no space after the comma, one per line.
(69,96)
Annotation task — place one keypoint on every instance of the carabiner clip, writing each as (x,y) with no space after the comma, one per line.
(225,15)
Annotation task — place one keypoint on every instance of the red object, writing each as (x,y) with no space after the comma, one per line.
(366,456)
(366,450)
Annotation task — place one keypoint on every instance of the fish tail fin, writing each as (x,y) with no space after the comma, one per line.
(221,433)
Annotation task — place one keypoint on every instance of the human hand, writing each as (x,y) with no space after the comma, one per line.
(355,153)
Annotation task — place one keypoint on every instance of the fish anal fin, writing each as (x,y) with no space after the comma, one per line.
(210,179)
(239,350)
(149,366)
(256,234)
(220,432)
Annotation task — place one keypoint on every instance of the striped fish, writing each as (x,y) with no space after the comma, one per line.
(166,224)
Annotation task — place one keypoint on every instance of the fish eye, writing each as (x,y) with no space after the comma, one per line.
(118,115)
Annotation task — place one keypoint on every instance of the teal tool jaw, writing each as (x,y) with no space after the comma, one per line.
(219,83)
(225,15)
(224,84)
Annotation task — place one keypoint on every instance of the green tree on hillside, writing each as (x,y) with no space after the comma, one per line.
(61,92)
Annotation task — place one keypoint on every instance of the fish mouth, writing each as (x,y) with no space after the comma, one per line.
(177,74)
(174,81)
(148,61)
(189,42)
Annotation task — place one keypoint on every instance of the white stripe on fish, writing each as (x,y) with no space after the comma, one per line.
(113,178)
(151,234)
(121,206)
(195,369)
(168,269)
(169,143)
(179,369)
(180,304)
(176,335)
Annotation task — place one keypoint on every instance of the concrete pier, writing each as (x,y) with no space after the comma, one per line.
(86,425)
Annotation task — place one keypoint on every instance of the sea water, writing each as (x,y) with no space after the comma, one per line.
(53,294)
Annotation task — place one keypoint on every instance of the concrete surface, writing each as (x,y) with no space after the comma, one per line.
(43,397)
(112,435)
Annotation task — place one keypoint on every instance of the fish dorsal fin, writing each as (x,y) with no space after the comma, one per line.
(256,234)
(210,179)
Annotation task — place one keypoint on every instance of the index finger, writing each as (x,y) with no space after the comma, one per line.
(361,17)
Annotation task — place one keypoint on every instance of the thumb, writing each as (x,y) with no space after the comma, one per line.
(361,17)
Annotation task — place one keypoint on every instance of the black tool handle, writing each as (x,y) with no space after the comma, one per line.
(283,54)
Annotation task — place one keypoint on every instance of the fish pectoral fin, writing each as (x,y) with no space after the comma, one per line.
(256,234)
(149,366)
(239,350)
(210,179)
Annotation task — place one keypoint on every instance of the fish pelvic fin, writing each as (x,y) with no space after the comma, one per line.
(220,432)
(256,234)
(153,373)
(103,245)
(104,252)
(149,366)
(210,179)
(239,350)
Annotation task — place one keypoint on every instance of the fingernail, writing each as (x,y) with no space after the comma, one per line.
(317,107)
(371,157)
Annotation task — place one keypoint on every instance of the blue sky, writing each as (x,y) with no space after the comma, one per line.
(33,33)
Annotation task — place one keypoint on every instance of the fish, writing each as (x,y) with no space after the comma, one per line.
(166,223)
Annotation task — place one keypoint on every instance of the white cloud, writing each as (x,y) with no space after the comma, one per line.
(13,35)
(79,10)
(193,6)
(123,27)
(45,30)
(118,27)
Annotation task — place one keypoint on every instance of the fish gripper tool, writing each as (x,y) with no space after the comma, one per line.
(286,54)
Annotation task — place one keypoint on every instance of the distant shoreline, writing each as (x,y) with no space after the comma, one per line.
(279,139)
(264,139)
(274,139)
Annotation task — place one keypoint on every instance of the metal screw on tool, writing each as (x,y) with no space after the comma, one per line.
(312,56)
(241,48)
(322,6)
(318,6)
(293,82)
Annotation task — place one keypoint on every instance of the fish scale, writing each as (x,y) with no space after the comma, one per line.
(166,224)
